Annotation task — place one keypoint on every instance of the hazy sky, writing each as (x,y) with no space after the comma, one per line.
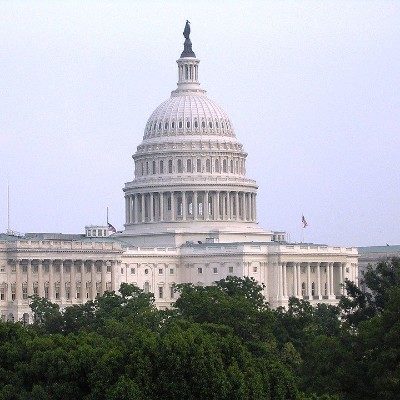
(312,88)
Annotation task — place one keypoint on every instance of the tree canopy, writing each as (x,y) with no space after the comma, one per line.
(218,342)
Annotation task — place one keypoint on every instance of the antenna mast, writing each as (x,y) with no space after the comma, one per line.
(8,208)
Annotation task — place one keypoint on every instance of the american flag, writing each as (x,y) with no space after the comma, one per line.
(303,220)
(111,229)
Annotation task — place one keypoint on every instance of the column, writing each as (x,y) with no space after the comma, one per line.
(237,205)
(216,214)
(172,207)
(103,277)
(250,206)
(205,205)
(332,281)
(319,280)
(161,206)
(224,205)
(127,209)
(195,209)
(329,277)
(295,292)
(51,280)
(228,206)
(136,209)
(299,280)
(29,278)
(83,282)
(284,280)
(73,281)
(143,207)
(113,267)
(184,206)
(151,208)
(18,283)
(93,279)
(341,278)
(62,282)
(280,282)
(255,206)
(40,279)
(309,293)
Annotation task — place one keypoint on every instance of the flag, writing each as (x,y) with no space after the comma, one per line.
(303,220)
(111,229)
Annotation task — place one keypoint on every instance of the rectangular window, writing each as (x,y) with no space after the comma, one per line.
(160,271)
(98,268)
(108,268)
(133,271)
(160,292)
(171,271)
(215,270)
(24,268)
(35,290)
(254,269)
(200,270)
(24,292)
(172,292)
(2,294)
(230,269)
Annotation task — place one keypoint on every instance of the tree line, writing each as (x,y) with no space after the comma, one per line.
(218,342)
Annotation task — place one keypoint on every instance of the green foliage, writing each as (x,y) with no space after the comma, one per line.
(219,342)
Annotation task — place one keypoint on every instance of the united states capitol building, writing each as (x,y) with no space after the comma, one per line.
(190,216)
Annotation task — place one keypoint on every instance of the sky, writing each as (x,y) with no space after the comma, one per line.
(312,89)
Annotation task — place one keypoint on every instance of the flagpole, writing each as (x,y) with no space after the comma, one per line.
(8,208)
(107,215)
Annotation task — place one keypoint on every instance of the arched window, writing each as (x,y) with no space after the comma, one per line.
(208,165)
(303,289)
(224,166)
(154,167)
(189,165)
(180,124)
(159,126)
(313,289)
(166,125)
(186,72)
(231,166)
(187,124)
(203,124)
(210,124)
(198,168)
(147,167)
(216,124)
(216,165)
(173,124)
(170,166)
(142,169)
(161,167)
(196,125)
(180,167)
(154,126)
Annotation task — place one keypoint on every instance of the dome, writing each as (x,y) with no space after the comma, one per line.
(188,113)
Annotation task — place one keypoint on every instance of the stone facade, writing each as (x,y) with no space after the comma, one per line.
(190,216)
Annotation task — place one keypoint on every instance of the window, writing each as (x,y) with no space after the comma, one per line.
(2,294)
(313,289)
(189,165)
(326,289)
(303,289)
(255,269)
(146,271)
(35,289)
(215,270)
(57,291)
(172,292)
(78,291)
(171,271)
(46,292)
(24,268)
(180,124)
(187,124)
(146,287)
(160,292)
(203,124)
(198,165)
(210,124)
(180,168)
(216,165)
(173,125)
(169,203)
(199,270)
(160,271)
(147,167)
(24,291)
(13,268)
(98,268)
(161,167)
(170,166)
(154,168)
(166,125)
(108,268)
(224,166)
(196,125)
(230,269)
(87,268)
(208,166)
(122,271)
(133,271)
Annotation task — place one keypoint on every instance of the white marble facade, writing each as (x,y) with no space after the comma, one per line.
(191,216)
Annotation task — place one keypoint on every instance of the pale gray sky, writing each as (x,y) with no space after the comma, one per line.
(312,88)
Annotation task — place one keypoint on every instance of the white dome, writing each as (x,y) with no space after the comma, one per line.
(188,113)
